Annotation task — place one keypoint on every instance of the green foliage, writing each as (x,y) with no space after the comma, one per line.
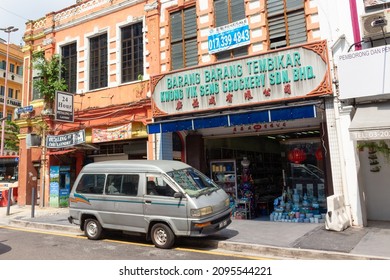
(50,73)
(380,147)
(11,141)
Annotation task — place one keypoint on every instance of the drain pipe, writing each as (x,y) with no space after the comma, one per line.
(355,25)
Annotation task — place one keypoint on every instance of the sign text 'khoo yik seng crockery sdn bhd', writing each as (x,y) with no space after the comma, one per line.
(286,74)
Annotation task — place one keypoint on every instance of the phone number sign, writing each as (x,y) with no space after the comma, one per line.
(229,36)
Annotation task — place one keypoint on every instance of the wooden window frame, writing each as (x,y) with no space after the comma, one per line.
(233,52)
(98,62)
(183,40)
(283,14)
(69,72)
(129,61)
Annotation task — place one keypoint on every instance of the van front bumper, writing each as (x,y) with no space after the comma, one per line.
(211,225)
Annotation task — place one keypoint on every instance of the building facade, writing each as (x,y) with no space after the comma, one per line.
(363,102)
(248,81)
(11,81)
(102,45)
(216,84)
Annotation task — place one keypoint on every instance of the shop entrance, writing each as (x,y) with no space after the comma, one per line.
(278,176)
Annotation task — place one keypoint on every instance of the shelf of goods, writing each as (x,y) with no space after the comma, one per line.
(243,209)
(223,172)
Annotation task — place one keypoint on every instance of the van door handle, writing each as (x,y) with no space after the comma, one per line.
(148,202)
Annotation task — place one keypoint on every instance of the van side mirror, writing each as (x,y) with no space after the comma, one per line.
(178,195)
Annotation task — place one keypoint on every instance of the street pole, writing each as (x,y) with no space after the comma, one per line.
(7,30)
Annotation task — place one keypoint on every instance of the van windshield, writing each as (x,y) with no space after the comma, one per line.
(193,182)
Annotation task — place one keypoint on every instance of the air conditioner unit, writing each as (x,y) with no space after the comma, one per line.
(16,114)
(373,23)
(33,140)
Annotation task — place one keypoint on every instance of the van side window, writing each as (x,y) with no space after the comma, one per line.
(122,184)
(91,183)
(157,186)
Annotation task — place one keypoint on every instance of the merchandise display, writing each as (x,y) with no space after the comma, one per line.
(245,204)
(223,172)
(290,207)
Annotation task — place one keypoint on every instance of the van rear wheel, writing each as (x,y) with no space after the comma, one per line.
(93,229)
(162,236)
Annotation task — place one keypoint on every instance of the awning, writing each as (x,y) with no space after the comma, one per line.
(264,116)
(371,122)
(60,152)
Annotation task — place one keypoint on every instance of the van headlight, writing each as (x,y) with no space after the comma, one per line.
(202,211)
(227,202)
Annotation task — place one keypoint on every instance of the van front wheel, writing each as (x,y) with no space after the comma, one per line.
(93,229)
(162,236)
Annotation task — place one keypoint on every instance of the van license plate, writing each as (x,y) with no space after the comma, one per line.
(223,224)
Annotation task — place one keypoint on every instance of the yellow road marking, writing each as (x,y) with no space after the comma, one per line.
(75,235)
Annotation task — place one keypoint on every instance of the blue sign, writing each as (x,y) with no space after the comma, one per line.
(25,109)
(229,36)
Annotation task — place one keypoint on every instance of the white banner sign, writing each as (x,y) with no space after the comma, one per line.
(364,73)
(65,140)
(64,107)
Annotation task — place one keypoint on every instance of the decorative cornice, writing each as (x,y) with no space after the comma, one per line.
(80,8)
(151,6)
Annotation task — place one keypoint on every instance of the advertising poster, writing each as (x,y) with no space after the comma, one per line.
(54,186)
(64,186)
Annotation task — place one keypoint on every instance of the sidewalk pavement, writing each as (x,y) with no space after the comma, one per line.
(264,238)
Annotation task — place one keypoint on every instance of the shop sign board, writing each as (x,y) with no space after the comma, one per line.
(11,101)
(280,75)
(65,140)
(26,109)
(364,73)
(64,109)
(372,134)
(121,132)
(229,36)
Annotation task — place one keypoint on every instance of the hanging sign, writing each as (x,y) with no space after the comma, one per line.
(65,140)
(26,109)
(229,36)
(64,106)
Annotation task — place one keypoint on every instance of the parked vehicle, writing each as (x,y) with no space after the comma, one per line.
(159,198)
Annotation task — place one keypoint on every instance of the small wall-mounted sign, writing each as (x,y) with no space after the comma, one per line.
(64,107)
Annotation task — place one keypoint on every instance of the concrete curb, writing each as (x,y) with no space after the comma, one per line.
(252,249)
(288,253)
(52,227)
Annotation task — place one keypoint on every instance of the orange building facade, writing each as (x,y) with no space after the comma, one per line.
(146,83)
(10,95)
(14,82)
(104,46)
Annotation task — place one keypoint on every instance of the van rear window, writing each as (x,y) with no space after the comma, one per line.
(122,184)
(91,183)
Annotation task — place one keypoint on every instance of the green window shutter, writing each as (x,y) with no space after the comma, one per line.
(286,23)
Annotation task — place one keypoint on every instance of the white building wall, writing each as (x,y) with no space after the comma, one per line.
(336,27)
(350,165)
(163,146)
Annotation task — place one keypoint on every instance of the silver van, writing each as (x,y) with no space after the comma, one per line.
(160,198)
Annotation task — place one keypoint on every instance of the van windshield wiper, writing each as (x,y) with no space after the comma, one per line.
(202,192)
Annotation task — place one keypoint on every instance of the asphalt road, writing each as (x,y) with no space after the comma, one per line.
(27,244)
